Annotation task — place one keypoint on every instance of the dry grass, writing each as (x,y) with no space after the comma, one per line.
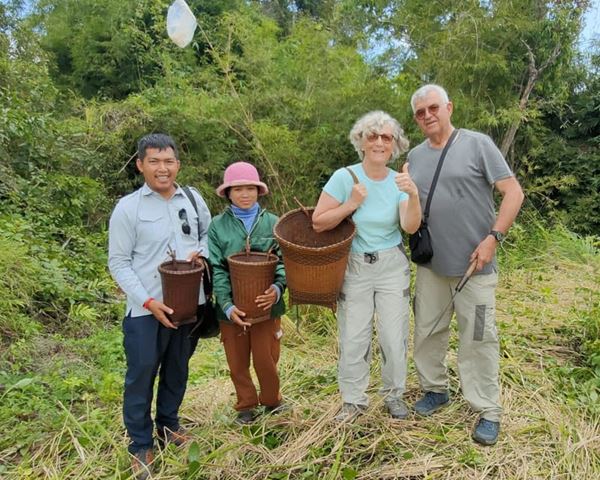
(542,437)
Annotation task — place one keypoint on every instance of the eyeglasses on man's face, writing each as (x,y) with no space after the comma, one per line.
(185,226)
(385,137)
(432,109)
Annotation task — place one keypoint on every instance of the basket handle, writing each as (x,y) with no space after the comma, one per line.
(303,208)
(171,253)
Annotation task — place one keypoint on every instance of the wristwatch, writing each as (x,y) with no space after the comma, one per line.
(499,236)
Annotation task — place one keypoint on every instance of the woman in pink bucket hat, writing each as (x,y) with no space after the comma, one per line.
(244,222)
(241,173)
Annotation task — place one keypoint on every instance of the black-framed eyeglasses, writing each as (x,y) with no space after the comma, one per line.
(185,226)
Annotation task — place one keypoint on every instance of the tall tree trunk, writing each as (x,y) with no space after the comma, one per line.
(533,76)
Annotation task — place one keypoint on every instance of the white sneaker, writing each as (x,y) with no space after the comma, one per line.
(349,412)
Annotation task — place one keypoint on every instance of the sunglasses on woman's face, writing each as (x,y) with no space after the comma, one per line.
(432,109)
(385,138)
(185,226)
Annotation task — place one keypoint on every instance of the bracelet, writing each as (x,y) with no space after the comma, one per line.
(147,302)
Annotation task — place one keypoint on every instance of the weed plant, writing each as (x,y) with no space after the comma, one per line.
(60,388)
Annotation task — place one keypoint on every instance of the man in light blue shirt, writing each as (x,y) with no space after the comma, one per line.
(143,227)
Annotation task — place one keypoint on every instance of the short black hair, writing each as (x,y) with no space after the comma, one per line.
(162,141)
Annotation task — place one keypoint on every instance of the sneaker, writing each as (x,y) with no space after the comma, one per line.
(141,464)
(349,412)
(396,408)
(486,432)
(246,417)
(178,437)
(431,402)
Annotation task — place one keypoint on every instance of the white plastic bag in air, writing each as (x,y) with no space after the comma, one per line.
(181,23)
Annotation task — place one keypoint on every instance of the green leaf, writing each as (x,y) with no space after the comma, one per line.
(349,473)
(194,452)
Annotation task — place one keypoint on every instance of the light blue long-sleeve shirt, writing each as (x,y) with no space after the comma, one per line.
(142,227)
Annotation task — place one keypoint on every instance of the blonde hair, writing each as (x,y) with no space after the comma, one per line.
(373,122)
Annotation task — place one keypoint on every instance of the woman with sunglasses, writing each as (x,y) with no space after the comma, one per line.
(380,201)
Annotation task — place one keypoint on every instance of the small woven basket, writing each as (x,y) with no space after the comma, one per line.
(251,274)
(315,263)
(181,282)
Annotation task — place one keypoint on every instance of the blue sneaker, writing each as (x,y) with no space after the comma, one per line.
(486,432)
(431,402)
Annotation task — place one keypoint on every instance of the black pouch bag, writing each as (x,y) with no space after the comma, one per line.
(421,249)
(207,325)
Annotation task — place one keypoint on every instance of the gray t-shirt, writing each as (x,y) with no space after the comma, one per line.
(462,209)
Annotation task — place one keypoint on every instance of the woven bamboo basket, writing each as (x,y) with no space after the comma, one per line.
(315,263)
(251,274)
(181,282)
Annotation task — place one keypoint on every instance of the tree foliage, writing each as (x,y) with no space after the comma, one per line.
(276,83)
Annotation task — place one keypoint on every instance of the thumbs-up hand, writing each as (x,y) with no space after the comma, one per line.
(405,183)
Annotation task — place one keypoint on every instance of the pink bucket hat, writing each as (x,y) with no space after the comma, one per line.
(241,173)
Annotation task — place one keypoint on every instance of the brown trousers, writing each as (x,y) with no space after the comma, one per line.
(262,340)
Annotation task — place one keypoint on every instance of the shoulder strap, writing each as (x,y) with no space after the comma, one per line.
(354,177)
(437,173)
(190,195)
(207,280)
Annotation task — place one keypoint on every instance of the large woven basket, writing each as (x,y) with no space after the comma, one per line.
(251,274)
(181,282)
(315,263)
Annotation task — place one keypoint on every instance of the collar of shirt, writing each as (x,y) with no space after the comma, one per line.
(146,190)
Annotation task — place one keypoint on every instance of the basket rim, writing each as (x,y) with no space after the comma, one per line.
(274,260)
(333,246)
(161,268)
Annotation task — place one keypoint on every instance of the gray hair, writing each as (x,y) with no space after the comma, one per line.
(374,122)
(425,90)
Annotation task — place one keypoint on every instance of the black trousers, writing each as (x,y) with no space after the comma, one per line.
(152,349)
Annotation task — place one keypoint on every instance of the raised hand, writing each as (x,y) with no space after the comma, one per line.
(358,195)
(405,183)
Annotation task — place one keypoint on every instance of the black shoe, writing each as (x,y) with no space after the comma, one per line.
(486,432)
(276,410)
(246,417)
(431,402)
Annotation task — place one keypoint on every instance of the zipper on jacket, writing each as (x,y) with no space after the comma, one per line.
(241,224)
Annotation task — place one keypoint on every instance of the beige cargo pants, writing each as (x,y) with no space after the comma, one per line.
(478,349)
(373,285)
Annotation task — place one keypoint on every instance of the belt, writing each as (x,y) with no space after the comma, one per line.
(373,257)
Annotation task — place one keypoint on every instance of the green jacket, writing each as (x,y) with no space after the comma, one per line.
(226,236)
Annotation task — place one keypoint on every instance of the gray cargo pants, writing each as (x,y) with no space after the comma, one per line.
(478,350)
(378,284)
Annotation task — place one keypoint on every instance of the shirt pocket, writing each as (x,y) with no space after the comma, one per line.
(151,227)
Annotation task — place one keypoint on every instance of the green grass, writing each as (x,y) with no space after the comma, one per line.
(60,396)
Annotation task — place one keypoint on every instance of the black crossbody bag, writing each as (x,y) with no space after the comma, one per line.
(207,325)
(421,249)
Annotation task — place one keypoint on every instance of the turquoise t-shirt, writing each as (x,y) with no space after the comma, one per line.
(377,219)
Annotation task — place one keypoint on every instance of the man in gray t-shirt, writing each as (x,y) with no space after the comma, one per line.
(464,229)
